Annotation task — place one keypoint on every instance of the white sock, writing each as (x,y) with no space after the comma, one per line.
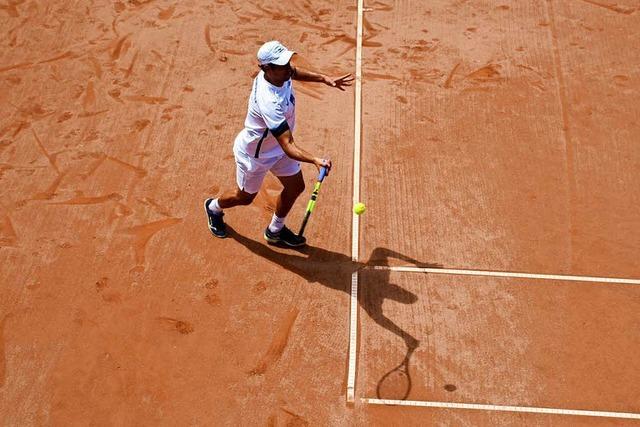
(214,207)
(276,224)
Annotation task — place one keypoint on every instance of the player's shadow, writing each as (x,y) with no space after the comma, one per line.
(334,270)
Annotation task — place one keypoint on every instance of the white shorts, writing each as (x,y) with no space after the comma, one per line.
(250,172)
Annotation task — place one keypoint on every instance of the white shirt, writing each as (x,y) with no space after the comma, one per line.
(272,109)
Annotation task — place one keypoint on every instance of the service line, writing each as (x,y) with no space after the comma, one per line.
(521,409)
(459,272)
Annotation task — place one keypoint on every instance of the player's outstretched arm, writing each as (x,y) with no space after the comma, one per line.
(304,75)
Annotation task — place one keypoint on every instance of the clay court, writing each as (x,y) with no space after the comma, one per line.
(494,142)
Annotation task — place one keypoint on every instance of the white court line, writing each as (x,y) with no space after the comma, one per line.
(521,409)
(353,339)
(508,274)
(357,137)
(355,227)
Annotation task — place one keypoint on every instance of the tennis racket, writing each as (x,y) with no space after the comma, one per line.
(314,196)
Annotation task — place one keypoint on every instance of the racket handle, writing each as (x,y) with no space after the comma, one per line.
(323,172)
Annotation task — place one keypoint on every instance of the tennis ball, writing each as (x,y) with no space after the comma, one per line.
(359,208)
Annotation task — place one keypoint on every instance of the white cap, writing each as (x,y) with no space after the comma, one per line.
(274,52)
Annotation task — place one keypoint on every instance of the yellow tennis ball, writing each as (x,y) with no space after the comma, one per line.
(359,208)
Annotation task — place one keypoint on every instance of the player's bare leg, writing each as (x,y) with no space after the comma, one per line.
(236,197)
(229,199)
(277,232)
(293,187)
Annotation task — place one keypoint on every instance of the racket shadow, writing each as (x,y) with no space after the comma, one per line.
(396,384)
(334,270)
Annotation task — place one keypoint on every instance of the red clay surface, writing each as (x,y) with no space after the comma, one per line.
(517,125)
(497,135)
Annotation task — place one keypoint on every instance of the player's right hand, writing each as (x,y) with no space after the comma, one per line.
(320,163)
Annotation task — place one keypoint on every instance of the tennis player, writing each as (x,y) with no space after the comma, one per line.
(266,143)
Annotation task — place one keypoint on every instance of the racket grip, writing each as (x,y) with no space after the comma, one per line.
(323,172)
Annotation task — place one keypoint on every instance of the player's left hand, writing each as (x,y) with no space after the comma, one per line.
(340,82)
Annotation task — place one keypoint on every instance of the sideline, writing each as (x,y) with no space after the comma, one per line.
(355,227)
